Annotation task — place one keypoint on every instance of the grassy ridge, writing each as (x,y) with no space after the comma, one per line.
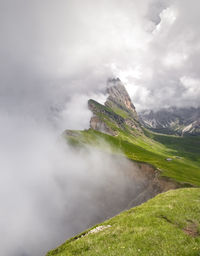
(152,148)
(143,145)
(168,224)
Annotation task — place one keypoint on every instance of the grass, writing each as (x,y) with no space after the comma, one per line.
(147,146)
(168,224)
(151,148)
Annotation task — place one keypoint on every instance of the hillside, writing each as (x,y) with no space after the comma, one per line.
(168,224)
(116,123)
(171,220)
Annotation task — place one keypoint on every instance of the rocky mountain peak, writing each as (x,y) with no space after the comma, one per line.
(119,96)
(118,112)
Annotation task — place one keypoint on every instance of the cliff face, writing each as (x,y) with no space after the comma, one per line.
(118,112)
(119,97)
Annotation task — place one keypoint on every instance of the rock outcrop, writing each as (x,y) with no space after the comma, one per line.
(118,112)
(119,97)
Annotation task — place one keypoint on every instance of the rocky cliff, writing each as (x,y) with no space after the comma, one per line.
(119,98)
(118,112)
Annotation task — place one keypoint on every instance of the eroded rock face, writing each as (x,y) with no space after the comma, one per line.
(119,96)
(153,183)
(117,113)
(97,124)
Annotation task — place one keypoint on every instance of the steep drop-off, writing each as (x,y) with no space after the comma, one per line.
(166,225)
(115,125)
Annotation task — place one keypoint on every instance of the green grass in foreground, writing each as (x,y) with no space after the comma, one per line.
(167,225)
(151,148)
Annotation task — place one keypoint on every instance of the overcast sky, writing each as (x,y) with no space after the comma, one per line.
(52,49)
(54,55)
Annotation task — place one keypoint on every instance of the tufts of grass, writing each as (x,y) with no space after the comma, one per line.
(168,224)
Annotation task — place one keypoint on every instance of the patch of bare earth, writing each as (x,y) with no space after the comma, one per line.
(191,229)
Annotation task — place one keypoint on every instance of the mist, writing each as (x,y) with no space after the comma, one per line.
(51,50)
(50,192)
(54,56)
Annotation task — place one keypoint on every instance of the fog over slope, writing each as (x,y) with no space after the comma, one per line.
(50,192)
(54,56)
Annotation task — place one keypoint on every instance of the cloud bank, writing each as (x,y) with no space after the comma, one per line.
(51,50)
(50,192)
(54,55)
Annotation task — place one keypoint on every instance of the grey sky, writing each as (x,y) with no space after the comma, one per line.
(54,55)
(51,50)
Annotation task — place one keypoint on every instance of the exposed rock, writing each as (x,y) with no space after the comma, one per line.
(118,111)
(173,120)
(119,96)
(98,229)
(97,124)
(153,183)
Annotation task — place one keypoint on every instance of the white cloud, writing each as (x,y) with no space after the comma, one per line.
(54,55)
(167,18)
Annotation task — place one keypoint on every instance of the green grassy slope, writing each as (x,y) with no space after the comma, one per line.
(151,148)
(168,224)
(140,144)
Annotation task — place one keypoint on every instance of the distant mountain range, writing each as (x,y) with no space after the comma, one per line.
(173,120)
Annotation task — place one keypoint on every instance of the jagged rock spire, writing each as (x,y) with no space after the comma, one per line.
(119,96)
(118,112)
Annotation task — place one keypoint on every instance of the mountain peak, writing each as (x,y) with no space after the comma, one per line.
(118,112)
(119,96)
(112,81)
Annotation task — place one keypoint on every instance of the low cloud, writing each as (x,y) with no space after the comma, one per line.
(51,50)
(54,56)
(49,191)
